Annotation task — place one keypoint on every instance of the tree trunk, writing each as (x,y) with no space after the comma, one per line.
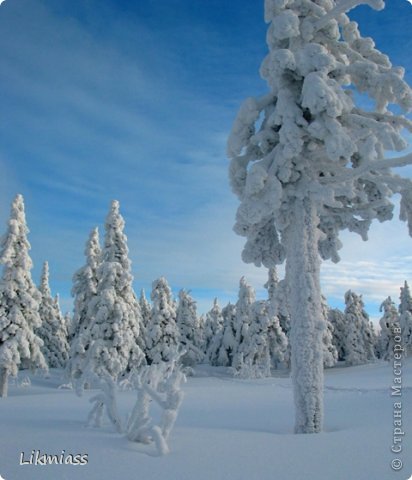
(4,376)
(307,322)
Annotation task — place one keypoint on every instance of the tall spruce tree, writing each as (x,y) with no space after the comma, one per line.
(187,322)
(360,337)
(307,162)
(226,349)
(246,299)
(337,320)
(84,290)
(19,301)
(213,332)
(162,334)
(330,353)
(114,310)
(53,329)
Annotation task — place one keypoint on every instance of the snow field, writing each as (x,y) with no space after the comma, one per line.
(227,429)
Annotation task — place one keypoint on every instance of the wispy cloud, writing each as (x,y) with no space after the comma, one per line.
(103,105)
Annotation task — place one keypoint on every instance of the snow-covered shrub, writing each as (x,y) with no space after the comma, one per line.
(105,400)
(159,382)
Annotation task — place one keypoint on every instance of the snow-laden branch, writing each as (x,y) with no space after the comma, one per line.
(344,6)
(385,117)
(369,167)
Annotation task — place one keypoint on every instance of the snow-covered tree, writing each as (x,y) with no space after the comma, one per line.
(360,340)
(337,320)
(213,332)
(277,299)
(225,340)
(68,321)
(388,322)
(307,162)
(145,308)
(114,311)
(53,329)
(253,357)
(330,353)
(162,334)
(278,342)
(187,322)
(84,290)
(405,318)
(246,299)
(19,301)
(146,313)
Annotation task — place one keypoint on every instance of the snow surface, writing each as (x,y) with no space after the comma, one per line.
(227,428)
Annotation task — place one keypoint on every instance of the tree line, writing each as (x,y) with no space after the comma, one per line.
(112,332)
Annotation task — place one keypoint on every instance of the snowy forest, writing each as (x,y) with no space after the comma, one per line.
(309,159)
(114,336)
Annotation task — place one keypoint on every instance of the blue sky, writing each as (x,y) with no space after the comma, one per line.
(133,100)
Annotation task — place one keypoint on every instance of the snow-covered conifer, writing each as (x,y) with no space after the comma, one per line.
(53,329)
(338,321)
(19,301)
(246,299)
(278,342)
(145,308)
(84,290)
(307,162)
(212,330)
(68,321)
(226,341)
(405,318)
(187,322)
(162,334)
(388,323)
(277,299)
(330,353)
(146,313)
(114,311)
(253,360)
(361,340)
